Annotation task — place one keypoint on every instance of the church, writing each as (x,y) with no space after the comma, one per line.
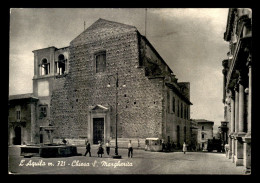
(109,82)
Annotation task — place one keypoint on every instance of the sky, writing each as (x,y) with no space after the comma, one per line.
(189,40)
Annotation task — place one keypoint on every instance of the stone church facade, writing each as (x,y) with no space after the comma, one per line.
(110,71)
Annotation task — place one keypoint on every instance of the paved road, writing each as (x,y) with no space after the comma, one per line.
(143,162)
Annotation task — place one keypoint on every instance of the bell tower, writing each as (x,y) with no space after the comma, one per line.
(48,64)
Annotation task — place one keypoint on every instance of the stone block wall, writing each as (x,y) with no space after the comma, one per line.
(139,103)
(142,103)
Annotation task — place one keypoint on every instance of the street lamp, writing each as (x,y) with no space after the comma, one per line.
(116,156)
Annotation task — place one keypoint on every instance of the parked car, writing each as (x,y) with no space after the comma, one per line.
(153,144)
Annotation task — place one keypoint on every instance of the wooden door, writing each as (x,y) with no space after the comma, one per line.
(98,130)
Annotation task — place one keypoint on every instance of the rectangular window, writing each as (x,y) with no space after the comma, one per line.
(168,102)
(100,62)
(202,127)
(43,112)
(173,104)
(202,136)
(178,109)
(18,115)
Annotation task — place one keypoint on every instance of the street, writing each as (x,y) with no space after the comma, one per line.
(143,162)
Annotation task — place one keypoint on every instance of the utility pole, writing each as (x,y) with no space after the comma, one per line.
(116,156)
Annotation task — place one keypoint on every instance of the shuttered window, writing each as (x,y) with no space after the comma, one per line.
(100,62)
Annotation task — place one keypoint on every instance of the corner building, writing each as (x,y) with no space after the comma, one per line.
(204,133)
(110,70)
(237,90)
(21,118)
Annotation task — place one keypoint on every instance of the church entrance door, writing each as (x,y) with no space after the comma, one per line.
(98,130)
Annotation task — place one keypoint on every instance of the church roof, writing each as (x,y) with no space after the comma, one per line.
(22,96)
(107,23)
(101,29)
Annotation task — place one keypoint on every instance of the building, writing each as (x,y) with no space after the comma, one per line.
(205,132)
(109,81)
(21,118)
(237,85)
(194,136)
(224,131)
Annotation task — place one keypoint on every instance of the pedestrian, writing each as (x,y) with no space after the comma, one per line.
(130,149)
(163,145)
(64,141)
(108,147)
(168,146)
(100,149)
(184,148)
(173,146)
(88,149)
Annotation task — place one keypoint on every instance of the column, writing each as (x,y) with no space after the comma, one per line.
(241,130)
(249,117)
(51,136)
(236,109)
(57,67)
(234,144)
(240,125)
(36,64)
(247,138)
(241,107)
(232,119)
(232,126)
(52,61)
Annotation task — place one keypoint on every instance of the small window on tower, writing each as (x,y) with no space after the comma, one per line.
(100,62)
(44,67)
(43,112)
(60,65)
